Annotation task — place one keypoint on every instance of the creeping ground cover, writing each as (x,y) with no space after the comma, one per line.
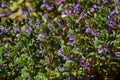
(59,40)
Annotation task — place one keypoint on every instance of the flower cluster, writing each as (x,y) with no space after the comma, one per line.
(59,39)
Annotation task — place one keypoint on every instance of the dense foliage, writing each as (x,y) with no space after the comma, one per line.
(59,40)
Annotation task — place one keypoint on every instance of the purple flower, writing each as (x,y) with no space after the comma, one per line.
(119,16)
(41,50)
(37,24)
(68,12)
(50,26)
(60,52)
(87,66)
(24,13)
(43,5)
(109,56)
(76,6)
(72,43)
(92,9)
(82,64)
(31,8)
(94,33)
(71,54)
(111,20)
(44,16)
(95,6)
(28,29)
(2,44)
(65,58)
(3,14)
(63,68)
(16,30)
(69,60)
(6,54)
(60,25)
(70,78)
(82,15)
(77,11)
(113,12)
(4,28)
(81,60)
(117,54)
(105,1)
(1,65)
(87,30)
(100,50)
(31,55)
(48,7)
(42,36)
(119,25)
(109,30)
(1,33)
(58,2)
(106,48)
(16,69)
(111,25)
(71,37)
(3,5)
(117,1)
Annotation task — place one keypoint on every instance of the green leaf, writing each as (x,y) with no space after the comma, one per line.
(91,54)
(71,31)
(20,1)
(117,8)
(14,6)
(65,73)
(24,74)
(67,50)
(41,76)
(2,49)
(67,64)
(102,58)
(97,43)
(80,71)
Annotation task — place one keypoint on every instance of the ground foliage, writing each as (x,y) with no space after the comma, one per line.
(59,39)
